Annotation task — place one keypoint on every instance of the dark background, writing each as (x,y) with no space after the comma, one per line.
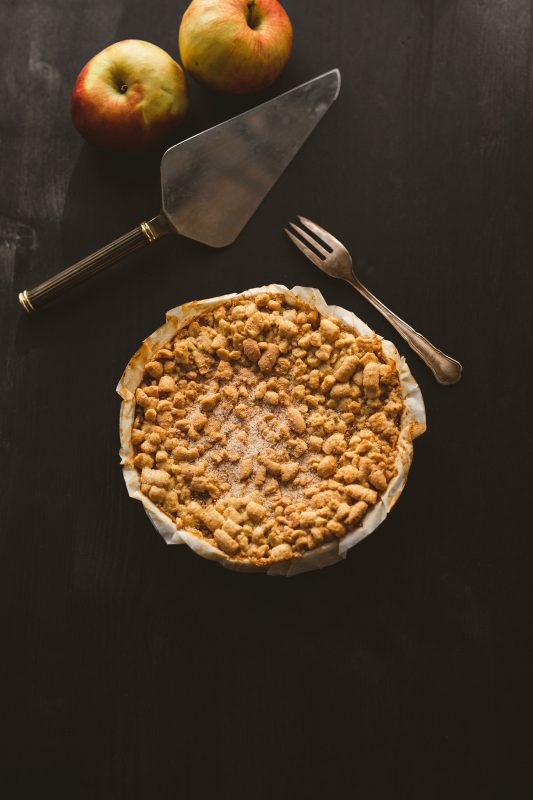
(132,669)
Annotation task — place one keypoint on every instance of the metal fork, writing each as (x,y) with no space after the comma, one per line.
(335,260)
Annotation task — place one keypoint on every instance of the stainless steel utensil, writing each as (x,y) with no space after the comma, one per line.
(335,260)
(213,182)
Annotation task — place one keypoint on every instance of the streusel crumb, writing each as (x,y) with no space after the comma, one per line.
(266,428)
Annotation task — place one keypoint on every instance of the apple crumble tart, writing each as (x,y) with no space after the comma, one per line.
(266,428)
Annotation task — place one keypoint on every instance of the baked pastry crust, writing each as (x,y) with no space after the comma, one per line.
(266,428)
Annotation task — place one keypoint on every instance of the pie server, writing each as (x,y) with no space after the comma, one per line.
(212,183)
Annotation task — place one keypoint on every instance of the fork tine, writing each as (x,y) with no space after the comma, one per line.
(305,250)
(308,239)
(326,237)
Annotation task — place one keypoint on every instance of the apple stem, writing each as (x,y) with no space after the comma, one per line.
(251,14)
(123,89)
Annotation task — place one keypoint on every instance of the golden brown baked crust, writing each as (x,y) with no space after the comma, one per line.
(266,428)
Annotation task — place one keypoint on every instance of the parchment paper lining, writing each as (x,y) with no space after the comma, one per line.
(413,423)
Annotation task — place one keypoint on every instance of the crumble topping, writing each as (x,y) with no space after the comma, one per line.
(266,428)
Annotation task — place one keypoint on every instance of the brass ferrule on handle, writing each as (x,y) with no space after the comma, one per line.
(146,233)
(25,302)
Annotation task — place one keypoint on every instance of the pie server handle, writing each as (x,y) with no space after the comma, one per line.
(40,296)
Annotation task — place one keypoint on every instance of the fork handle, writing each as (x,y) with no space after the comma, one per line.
(445,369)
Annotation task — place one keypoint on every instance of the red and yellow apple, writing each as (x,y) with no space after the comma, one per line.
(235,46)
(129,96)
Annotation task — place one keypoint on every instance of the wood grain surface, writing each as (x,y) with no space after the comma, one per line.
(132,669)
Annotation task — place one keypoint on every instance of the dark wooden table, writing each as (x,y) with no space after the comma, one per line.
(132,669)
